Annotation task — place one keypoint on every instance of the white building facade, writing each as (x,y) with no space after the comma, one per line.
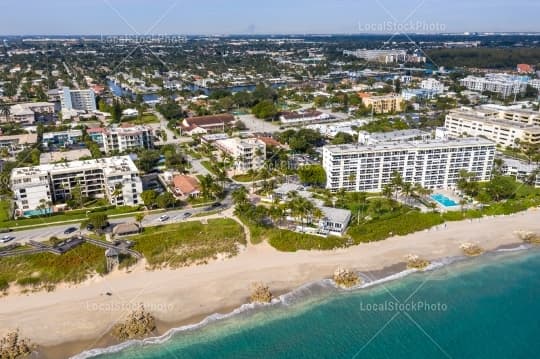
(114,178)
(122,139)
(433,164)
(248,154)
(82,100)
(506,85)
(506,128)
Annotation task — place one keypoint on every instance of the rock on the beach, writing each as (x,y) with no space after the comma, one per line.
(13,346)
(260,293)
(138,324)
(346,278)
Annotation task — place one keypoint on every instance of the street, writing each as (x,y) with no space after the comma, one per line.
(175,216)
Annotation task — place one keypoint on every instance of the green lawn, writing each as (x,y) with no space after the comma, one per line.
(404,221)
(244,178)
(179,245)
(289,241)
(209,166)
(66,216)
(4,211)
(147,118)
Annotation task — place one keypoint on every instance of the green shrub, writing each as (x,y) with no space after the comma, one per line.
(29,281)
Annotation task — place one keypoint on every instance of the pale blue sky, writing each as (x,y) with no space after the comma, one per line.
(274,16)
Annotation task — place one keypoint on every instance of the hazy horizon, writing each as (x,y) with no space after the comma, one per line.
(163,17)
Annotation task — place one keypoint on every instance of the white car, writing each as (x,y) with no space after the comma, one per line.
(163,218)
(6,239)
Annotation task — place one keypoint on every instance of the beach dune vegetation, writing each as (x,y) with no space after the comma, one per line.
(184,244)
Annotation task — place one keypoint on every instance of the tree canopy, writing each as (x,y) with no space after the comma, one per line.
(313,175)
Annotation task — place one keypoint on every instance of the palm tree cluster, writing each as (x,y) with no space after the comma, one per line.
(302,209)
(209,187)
(408,190)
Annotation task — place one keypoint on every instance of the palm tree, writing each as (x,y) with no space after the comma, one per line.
(5,110)
(317,214)
(239,196)
(139,218)
(207,182)
(276,214)
(462,203)
(497,167)
(42,207)
(396,182)
(388,191)
(407,190)
(118,191)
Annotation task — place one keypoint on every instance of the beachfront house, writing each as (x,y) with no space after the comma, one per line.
(334,221)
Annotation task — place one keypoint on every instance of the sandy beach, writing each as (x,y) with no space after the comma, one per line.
(75,318)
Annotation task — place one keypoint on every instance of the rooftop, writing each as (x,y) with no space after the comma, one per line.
(336,215)
(109,165)
(409,145)
(186,184)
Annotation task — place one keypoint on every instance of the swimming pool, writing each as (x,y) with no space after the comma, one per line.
(37,212)
(443,200)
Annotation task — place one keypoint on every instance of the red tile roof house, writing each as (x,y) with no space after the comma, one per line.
(186,186)
(525,69)
(206,124)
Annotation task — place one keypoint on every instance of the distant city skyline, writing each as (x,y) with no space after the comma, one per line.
(141,17)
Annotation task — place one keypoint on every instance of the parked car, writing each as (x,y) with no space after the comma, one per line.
(6,239)
(188,214)
(164,218)
(70,230)
(89,227)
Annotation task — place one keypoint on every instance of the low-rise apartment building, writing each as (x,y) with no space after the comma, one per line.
(207,124)
(382,104)
(248,154)
(61,138)
(504,84)
(114,178)
(26,113)
(303,117)
(505,127)
(123,138)
(431,163)
(521,170)
(16,143)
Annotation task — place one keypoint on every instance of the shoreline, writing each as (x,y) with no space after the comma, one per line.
(77,318)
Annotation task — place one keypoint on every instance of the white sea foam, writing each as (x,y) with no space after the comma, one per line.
(170,333)
(521,247)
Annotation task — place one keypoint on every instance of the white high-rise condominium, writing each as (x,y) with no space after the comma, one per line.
(433,163)
(82,100)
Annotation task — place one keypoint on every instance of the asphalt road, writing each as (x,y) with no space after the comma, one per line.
(175,216)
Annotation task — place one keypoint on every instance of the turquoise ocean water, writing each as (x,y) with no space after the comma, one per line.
(483,308)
